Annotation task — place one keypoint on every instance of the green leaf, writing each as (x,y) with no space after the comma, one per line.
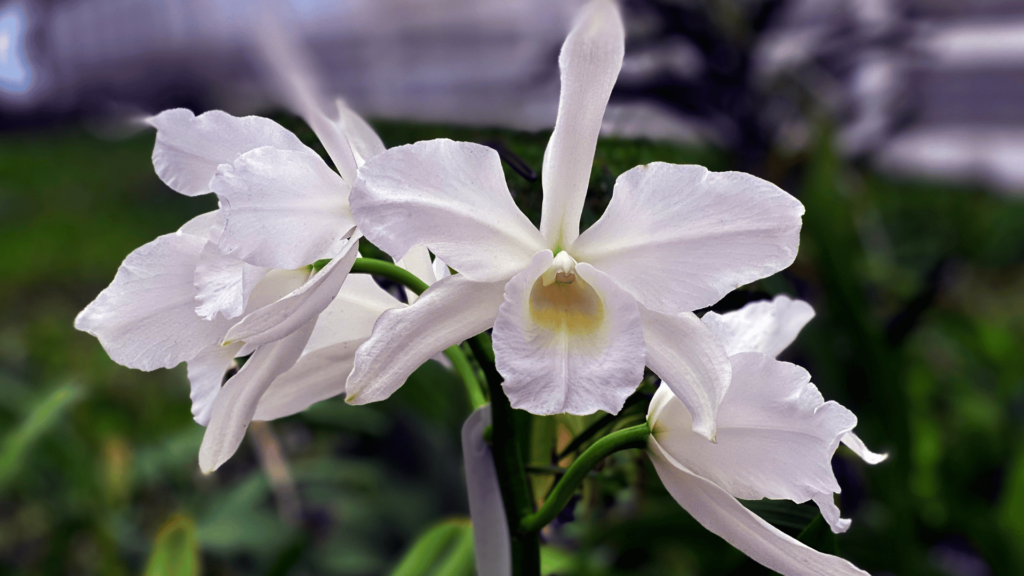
(175,549)
(41,418)
(433,547)
(1011,508)
(555,561)
(238,521)
(460,560)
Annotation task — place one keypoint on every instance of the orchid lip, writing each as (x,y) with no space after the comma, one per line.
(562,302)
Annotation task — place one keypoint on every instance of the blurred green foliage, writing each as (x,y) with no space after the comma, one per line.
(175,549)
(919,290)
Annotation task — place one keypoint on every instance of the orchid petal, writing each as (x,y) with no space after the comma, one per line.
(590,61)
(680,237)
(491,541)
(417,261)
(275,321)
(146,318)
(224,283)
(447,313)
(315,377)
(236,403)
(189,148)
(283,208)
(685,355)
(776,434)
(860,449)
(450,197)
(325,363)
(206,375)
(767,327)
(574,348)
(722,514)
(205,226)
(353,312)
(826,502)
(441,270)
(364,140)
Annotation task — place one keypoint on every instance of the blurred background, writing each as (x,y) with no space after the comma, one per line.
(898,123)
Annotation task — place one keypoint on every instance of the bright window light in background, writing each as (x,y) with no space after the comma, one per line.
(15,71)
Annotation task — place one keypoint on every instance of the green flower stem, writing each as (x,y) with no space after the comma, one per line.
(391,272)
(465,370)
(596,427)
(410,281)
(634,437)
(508,460)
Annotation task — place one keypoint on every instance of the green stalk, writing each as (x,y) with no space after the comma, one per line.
(508,459)
(391,272)
(402,276)
(634,437)
(596,427)
(461,364)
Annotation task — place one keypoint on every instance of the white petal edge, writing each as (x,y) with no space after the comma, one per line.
(282,208)
(277,320)
(776,434)
(146,318)
(206,375)
(223,283)
(450,197)
(491,541)
(236,403)
(768,327)
(549,371)
(685,355)
(364,140)
(205,226)
(189,148)
(680,237)
(316,376)
(450,311)
(723,515)
(826,502)
(323,368)
(858,447)
(589,61)
(441,270)
(417,261)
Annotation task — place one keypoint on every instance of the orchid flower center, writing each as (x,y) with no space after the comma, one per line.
(563,302)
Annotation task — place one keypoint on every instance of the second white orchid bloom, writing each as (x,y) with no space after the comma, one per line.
(776,438)
(575,316)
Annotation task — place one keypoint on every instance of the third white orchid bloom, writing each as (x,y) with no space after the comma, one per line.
(575,316)
(239,281)
(776,437)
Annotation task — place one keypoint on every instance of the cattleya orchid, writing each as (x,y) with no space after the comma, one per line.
(776,437)
(241,281)
(575,316)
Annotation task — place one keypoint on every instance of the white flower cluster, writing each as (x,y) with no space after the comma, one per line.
(575,317)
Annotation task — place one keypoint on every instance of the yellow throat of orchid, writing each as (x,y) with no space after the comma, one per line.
(561,301)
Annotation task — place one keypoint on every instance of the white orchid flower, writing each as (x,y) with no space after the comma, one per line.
(240,280)
(575,316)
(776,438)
